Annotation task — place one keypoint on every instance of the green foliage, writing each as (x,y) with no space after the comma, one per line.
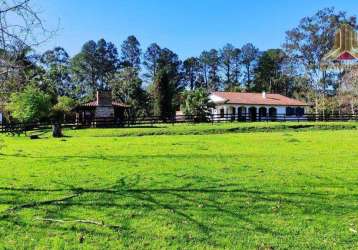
(167,85)
(151,57)
(57,77)
(94,66)
(270,73)
(249,56)
(294,71)
(210,63)
(65,104)
(230,59)
(63,107)
(163,95)
(131,52)
(127,87)
(24,71)
(192,73)
(30,105)
(307,43)
(197,103)
(126,84)
(281,190)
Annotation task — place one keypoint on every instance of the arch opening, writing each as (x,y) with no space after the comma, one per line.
(253,114)
(273,113)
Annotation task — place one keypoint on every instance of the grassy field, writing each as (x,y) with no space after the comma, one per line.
(192,187)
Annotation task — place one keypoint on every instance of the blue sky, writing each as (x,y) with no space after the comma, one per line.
(185,26)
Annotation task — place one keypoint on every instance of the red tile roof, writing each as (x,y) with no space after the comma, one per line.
(258,99)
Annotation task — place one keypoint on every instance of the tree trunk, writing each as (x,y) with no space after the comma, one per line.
(248,76)
(352,107)
(56,130)
(316,107)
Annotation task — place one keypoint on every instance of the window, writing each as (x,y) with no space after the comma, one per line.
(262,112)
(222,113)
(290,111)
(272,112)
(300,111)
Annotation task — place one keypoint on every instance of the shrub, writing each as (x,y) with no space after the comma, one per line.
(30,105)
(197,104)
(63,107)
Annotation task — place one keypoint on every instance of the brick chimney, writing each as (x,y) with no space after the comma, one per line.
(104,98)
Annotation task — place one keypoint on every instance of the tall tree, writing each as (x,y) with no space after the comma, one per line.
(18,77)
(204,61)
(227,54)
(131,52)
(210,62)
(307,43)
(57,76)
(249,55)
(237,63)
(107,62)
(269,75)
(94,66)
(21,29)
(151,57)
(127,85)
(192,75)
(167,85)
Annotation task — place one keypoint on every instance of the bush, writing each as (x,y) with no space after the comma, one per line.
(30,105)
(197,104)
(63,107)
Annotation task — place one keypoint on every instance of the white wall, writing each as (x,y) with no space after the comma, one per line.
(280,110)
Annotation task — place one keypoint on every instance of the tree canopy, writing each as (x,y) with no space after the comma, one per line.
(155,81)
(30,105)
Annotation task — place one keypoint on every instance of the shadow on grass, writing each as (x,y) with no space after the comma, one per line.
(196,205)
(126,158)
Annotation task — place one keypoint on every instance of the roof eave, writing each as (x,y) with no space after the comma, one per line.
(265,104)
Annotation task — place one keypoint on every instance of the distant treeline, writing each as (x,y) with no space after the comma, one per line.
(155,81)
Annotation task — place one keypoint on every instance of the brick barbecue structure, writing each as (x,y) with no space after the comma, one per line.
(102,110)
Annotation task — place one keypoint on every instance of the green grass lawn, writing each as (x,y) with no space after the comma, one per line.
(192,187)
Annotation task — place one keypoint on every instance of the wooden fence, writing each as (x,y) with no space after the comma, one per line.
(18,128)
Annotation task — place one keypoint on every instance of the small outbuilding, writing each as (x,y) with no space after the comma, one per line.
(103,110)
(256,106)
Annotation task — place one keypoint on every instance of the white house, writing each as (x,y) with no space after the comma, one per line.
(256,106)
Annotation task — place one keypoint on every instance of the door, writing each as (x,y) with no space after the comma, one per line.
(273,114)
(252,114)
